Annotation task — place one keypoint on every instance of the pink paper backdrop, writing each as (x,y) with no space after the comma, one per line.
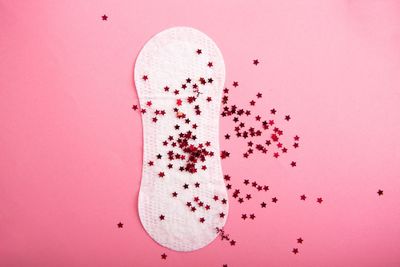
(70,161)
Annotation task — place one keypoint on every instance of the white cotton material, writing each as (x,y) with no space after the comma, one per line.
(167,60)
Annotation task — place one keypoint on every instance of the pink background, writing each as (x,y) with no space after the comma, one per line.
(71,146)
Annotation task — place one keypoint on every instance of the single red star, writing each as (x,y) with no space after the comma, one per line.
(256,62)
(295,250)
(134,107)
(259,95)
(274,199)
(232,242)
(202,220)
(244,216)
(104,17)
(198,51)
(145,77)
(273,111)
(174,194)
(287,117)
(235,84)
(300,240)
(210,64)
(252,102)
(319,200)
(296,138)
(222,215)
(164,256)
(293,164)
(161,174)
(120,225)
(303,197)
(252,216)
(263,205)
(162,217)
(380,192)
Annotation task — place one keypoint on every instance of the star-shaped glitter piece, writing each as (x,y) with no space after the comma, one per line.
(104,17)
(259,95)
(235,84)
(244,216)
(295,250)
(174,194)
(319,200)
(293,164)
(300,240)
(380,192)
(202,220)
(274,199)
(198,51)
(210,64)
(222,215)
(120,225)
(252,216)
(161,174)
(263,205)
(232,242)
(303,197)
(273,111)
(256,62)
(287,117)
(145,77)
(227,136)
(162,217)
(164,256)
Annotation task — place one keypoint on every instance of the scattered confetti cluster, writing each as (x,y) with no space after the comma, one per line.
(260,132)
